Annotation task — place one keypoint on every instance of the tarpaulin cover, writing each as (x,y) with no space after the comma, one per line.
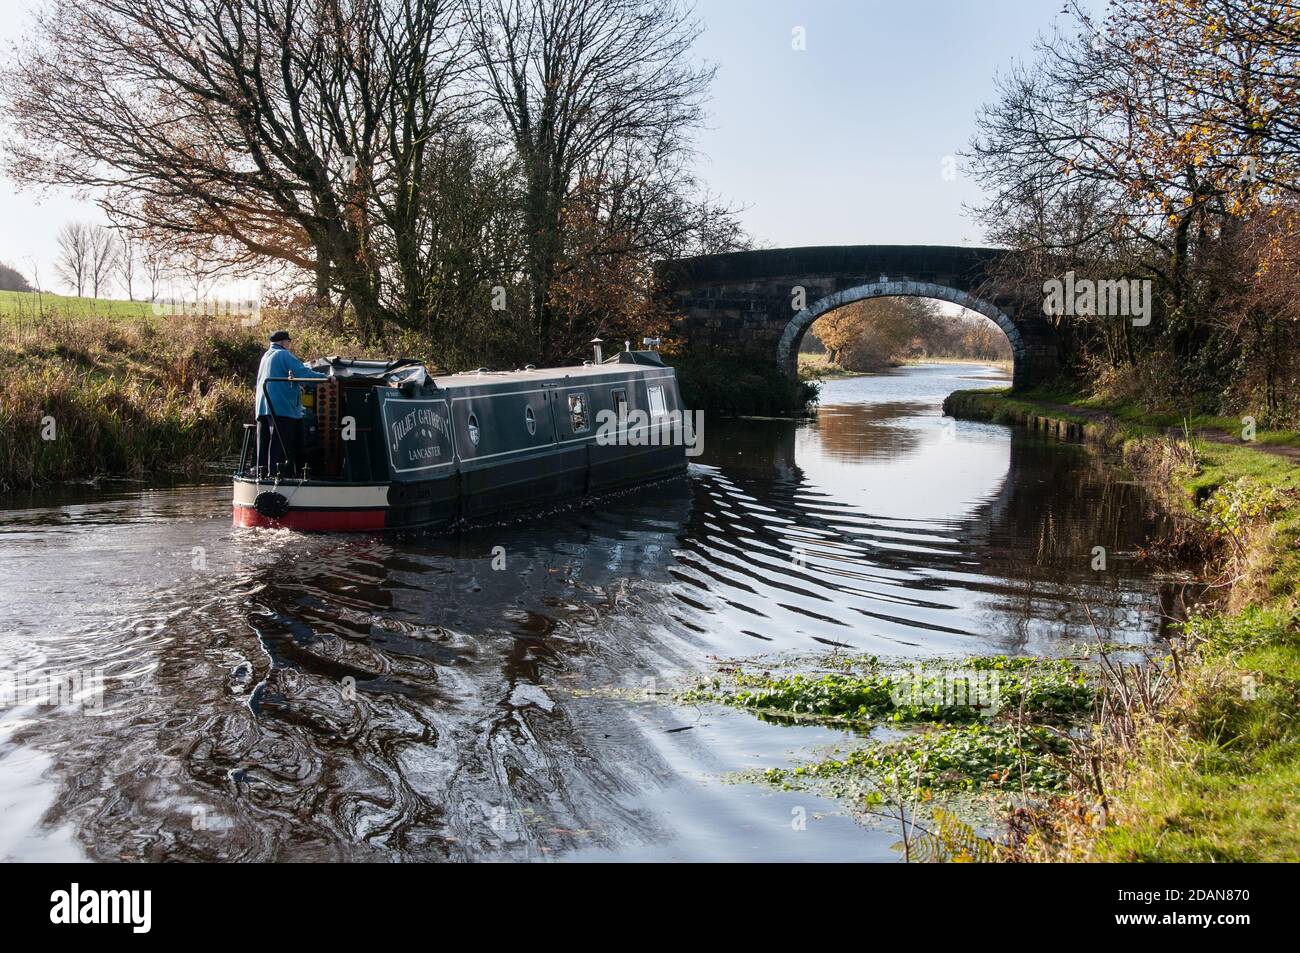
(393,373)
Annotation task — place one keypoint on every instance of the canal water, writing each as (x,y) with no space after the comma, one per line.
(233,694)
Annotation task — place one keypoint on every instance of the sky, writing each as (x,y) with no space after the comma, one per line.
(845,141)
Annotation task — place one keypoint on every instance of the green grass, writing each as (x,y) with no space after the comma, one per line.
(1209,816)
(997,404)
(1229,790)
(1143,420)
(19,305)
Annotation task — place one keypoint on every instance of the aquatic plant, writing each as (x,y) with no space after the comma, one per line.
(945,691)
(963,758)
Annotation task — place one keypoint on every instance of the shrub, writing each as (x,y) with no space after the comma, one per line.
(724,384)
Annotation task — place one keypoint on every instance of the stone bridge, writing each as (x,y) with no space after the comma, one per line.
(743,303)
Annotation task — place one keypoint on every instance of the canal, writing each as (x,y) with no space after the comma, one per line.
(507,693)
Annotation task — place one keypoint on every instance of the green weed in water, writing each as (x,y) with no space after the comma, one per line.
(967,758)
(954,692)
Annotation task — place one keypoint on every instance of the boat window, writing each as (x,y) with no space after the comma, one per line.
(578,412)
(619,398)
(529,420)
(658,407)
(473,429)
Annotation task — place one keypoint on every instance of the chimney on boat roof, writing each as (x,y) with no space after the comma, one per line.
(595,344)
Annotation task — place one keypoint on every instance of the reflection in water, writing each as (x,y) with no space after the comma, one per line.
(886,527)
(487,695)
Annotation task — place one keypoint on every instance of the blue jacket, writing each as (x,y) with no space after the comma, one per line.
(277,362)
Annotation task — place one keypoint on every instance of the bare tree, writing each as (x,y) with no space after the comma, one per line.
(127,262)
(74,255)
(198,275)
(263,128)
(154,264)
(102,245)
(1159,140)
(602,91)
(356,145)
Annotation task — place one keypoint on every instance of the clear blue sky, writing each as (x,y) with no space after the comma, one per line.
(842,142)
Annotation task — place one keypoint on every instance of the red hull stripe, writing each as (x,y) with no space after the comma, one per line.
(344,521)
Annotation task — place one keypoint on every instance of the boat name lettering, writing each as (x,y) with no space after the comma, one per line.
(422,417)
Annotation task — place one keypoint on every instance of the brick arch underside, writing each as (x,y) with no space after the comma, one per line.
(788,347)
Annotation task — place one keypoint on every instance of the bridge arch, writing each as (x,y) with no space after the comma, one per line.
(738,304)
(787,348)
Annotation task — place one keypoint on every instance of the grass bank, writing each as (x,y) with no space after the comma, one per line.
(96,389)
(1002,365)
(813,367)
(122,395)
(818,367)
(1194,756)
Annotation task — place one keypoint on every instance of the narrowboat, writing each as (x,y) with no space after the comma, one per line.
(388,446)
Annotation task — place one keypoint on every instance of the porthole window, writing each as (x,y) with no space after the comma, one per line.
(473,429)
(529,420)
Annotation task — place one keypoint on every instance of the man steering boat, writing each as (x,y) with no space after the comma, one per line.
(279,408)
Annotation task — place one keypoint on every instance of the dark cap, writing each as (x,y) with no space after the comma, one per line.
(279,336)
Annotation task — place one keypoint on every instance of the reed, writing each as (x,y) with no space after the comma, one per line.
(86,398)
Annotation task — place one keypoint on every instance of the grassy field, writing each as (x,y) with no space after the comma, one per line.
(22,305)
(1210,770)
